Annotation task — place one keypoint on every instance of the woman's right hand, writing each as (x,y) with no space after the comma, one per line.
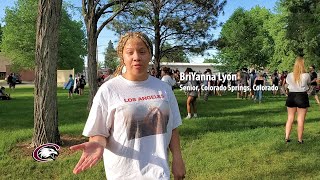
(91,154)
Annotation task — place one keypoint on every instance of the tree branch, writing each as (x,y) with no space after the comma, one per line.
(111,18)
(84,9)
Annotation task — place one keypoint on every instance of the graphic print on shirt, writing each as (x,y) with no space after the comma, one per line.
(146,119)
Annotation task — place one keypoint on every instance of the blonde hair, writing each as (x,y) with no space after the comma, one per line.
(122,43)
(298,69)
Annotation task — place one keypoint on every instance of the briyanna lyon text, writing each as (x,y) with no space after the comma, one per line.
(207,77)
(228,88)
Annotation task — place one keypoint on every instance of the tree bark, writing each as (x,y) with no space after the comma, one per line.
(92,60)
(90,18)
(46,58)
(157,37)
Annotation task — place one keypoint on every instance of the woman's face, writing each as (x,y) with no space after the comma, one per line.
(136,57)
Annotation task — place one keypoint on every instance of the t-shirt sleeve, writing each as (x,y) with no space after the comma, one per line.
(175,110)
(97,120)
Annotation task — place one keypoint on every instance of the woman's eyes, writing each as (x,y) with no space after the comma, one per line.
(132,52)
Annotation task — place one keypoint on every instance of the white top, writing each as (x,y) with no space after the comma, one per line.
(169,80)
(303,86)
(108,78)
(137,117)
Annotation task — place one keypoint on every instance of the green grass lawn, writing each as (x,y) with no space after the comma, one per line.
(231,139)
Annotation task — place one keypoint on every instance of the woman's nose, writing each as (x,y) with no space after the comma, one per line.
(136,56)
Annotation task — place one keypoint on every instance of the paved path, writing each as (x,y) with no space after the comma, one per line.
(24,83)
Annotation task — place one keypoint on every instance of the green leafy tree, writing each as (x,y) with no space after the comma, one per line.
(111,59)
(244,40)
(19,40)
(184,24)
(303,27)
(72,43)
(19,37)
(174,56)
(93,11)
(214,59)
(283,56)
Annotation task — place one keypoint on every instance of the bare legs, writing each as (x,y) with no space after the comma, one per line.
(317,99)
(300,118)
(191,105)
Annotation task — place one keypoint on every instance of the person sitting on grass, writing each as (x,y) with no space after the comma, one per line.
(4,95)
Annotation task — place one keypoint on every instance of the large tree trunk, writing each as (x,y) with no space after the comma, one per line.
(46,57)
(157,42)
(92,59)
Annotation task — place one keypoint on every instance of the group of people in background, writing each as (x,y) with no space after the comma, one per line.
(75,86)
(12,80)
(106,76)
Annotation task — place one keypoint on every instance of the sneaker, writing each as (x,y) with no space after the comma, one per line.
(287,141)
(195,116)
(188,117)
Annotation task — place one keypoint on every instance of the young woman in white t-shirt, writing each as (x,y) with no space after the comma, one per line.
(133,120)
(297,101)
(166,77)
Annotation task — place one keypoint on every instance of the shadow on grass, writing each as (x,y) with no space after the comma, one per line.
(17,114)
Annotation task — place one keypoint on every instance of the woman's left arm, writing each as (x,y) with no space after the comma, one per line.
(178,167)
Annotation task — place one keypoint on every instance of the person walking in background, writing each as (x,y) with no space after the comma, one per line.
(244,81)
(297,100)
(266,79)
(166,77)
(275,81)
(238,83)
(9,80)
(207,83)
(153,72)
(69,86)
(283,83)
(253,77)
(12,79)
(192,96)
(82,84)
(259,82)
(108,75)
(133,120)
(77,85)
(313,85)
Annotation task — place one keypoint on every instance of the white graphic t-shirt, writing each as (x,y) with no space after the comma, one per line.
(137,117)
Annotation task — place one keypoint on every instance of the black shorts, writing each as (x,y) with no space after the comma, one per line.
(71,89)
(298,99)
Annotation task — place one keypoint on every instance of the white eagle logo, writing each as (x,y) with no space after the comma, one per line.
(48,153)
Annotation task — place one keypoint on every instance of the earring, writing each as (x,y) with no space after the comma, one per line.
(124,69)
